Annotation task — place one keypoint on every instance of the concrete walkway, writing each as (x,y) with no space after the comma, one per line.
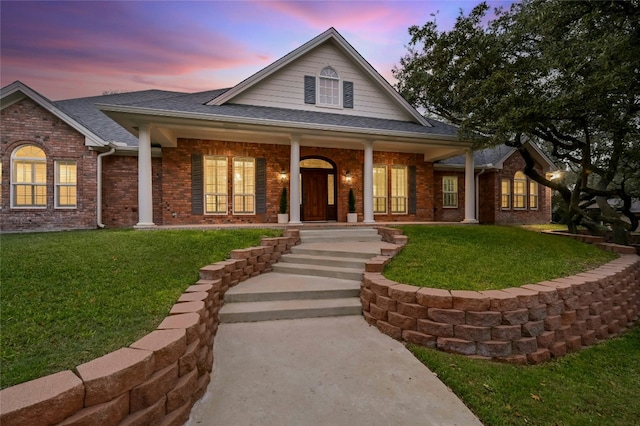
(336,371)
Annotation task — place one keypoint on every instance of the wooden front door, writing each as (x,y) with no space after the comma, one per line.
(314,194)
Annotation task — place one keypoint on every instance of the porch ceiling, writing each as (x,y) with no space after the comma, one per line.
(166,130)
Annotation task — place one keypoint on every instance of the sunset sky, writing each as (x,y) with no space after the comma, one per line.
(82,48)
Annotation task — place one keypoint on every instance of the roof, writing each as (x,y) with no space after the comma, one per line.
(494,157)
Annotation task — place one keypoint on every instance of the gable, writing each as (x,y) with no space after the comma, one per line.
(285,88)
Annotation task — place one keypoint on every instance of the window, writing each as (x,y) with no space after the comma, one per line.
(519,191)
(331,195)
(215,185)
(399,189)
(505,201)
(329,87)
(450,191)
(66,184)
(244,185)
(379,189)
(533,195)
(29,177)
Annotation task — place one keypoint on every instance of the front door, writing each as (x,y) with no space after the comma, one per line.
(314,194)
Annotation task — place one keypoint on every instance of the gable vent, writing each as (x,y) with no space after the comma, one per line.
(347,89)
(309,89)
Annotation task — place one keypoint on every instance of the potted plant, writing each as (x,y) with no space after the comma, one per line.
(283,217)
(352,216)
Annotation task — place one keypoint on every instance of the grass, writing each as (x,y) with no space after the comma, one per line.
(488,257)
(69,297)
(596,386)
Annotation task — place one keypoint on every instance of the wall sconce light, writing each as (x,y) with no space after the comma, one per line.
(283,175)
(347,176)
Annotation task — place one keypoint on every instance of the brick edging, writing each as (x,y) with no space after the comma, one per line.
(157,379)
(528,324)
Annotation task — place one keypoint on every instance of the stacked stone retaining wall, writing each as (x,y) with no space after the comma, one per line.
(157,379)
(528,324)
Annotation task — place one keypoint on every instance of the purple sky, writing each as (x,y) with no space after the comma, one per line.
(82,48)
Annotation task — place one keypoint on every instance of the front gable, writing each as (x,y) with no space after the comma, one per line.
(285,88)
(362,91)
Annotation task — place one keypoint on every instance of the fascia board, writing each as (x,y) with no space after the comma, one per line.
(151,113)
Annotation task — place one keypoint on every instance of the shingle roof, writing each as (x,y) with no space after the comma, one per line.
(482,158)
(85,112)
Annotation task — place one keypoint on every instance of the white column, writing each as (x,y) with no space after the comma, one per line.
(294,193)
(145,187)
(469,189)
(368,182)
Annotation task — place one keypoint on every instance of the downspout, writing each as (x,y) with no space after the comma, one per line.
(477,188)
(99,186)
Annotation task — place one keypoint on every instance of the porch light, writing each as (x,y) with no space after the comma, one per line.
(347,176)
(283,175)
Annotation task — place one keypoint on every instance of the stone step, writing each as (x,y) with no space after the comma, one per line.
(341,262)
(319,271)
(276,286)
(289,309)
(340,235)
(362,251)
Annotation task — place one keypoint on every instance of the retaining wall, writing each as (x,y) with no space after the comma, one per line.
(156,380)
(528,324)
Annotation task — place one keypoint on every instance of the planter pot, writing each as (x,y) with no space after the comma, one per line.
(283,218)
(352,217)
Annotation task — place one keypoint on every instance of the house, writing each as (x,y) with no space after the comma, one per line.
(319,121)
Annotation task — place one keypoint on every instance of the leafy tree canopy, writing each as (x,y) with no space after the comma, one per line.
(564,75)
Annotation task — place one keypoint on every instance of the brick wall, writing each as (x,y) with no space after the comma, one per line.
(448,214)
(514,216)
(26,123)
(528,324)
(157,379)
(120,190)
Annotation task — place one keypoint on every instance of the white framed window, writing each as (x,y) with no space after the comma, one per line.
(505,195)
(379,189)
(399,189)
(450,191)
(244,185)
(329,87)
(66,187)
(29,177)
(519,191)
(215,185)
(533,195)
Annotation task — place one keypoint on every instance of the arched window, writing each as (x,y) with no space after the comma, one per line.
(329,87)
(519,191)
(29,177)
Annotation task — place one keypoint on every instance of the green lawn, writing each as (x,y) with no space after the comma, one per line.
(596,386)
(488,257)
(69,297)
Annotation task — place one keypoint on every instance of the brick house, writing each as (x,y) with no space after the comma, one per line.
(320,114)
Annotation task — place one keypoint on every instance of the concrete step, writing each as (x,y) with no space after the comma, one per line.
(289,309)
(277,286)
(341,262)
(360,250)
(340,235)
(319,271)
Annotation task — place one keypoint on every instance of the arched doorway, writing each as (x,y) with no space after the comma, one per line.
(318,189)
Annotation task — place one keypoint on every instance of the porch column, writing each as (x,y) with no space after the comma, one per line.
(368,182)
(469,189)
(145,187)
(294,193)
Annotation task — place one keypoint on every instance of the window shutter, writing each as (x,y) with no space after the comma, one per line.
(413,199)
(261,185)
(347,87)
(197,196)
(309,89)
